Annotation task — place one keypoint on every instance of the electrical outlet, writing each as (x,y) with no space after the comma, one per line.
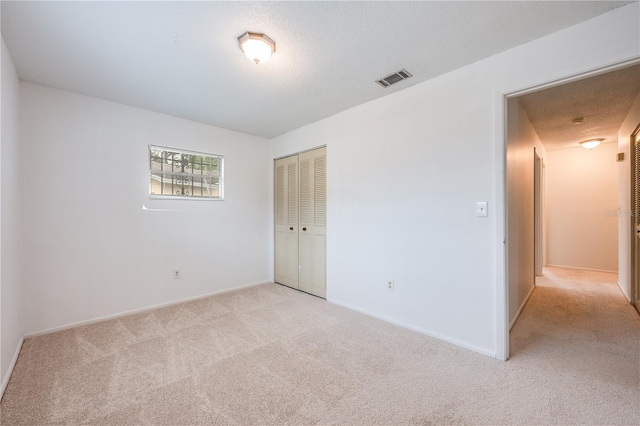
(176,274)
(390,285)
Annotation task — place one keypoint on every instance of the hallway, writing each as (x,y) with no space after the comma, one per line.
(579,328)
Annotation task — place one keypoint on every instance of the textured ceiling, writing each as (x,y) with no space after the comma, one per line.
(603,101)
(182,58)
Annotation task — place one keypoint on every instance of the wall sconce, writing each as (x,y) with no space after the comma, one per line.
(257,47)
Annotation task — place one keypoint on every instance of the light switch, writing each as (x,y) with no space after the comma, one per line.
(481,209)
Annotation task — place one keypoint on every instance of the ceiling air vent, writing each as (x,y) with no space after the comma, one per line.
(394,78)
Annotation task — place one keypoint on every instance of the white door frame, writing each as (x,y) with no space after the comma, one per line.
(500,99)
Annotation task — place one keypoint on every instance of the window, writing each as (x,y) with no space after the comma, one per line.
(183,174)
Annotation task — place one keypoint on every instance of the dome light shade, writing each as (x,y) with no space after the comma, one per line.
(590,144)
(256,46)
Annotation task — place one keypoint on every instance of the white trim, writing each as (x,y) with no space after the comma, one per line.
(417,329)
(624,294)
(5,379)
(581,269)
(526,299)
(502,287)
(139,310)
(299,152)
(632,59)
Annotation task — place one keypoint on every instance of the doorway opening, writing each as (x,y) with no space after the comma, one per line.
(566,206)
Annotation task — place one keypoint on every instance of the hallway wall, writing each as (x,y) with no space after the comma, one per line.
(522,139)
(11,276)
(582,202)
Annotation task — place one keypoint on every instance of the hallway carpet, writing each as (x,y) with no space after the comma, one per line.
(272,355)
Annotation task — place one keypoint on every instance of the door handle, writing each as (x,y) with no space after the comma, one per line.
(304,229)
(291,228)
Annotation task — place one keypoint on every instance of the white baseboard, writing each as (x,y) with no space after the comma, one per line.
(5,379)
(417,329)
(582,269)
(624,293)
(139,310)
(526,299)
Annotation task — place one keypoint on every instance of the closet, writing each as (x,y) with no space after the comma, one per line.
(301,221)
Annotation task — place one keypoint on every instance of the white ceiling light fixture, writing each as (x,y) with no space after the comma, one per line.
(591,143)
(257,47)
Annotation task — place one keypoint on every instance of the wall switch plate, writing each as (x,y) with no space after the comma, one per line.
(482,209)
(390,285)
(176,274)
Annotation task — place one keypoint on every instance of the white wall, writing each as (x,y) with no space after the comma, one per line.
(582,200)
(11,284)
(624,199)
(96,245)
(522,139)
(404,173)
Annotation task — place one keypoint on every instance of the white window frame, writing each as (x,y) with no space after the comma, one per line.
(220,159)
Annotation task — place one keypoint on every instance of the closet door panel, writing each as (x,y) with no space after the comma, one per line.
(319,222)
(305,250)
(286,218)
(280,222)
(312,228)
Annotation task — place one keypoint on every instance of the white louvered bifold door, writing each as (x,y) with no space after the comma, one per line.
(312,228)
(286,221)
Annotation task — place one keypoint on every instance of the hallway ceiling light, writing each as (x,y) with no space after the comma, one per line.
(256,46)
(590,144)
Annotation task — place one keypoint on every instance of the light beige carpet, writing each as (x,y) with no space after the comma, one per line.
(271,355)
